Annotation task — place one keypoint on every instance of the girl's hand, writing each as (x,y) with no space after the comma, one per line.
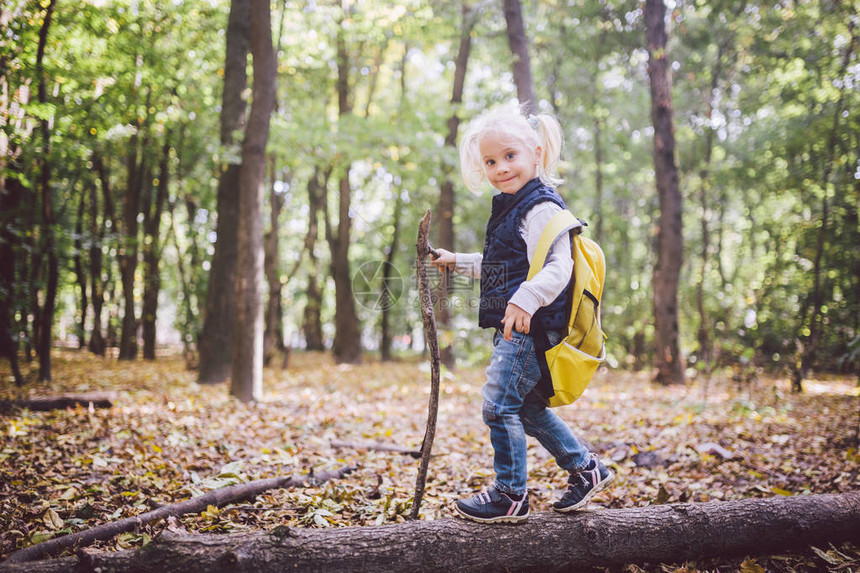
(445,261)
(515,317)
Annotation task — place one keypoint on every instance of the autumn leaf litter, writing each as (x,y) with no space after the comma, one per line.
(167,438)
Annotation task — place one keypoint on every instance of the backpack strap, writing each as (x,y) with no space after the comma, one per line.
(561,222)
(541,344)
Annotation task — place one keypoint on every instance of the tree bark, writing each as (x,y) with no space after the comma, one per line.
(128,252)
(388,280)
(152,256)
(247,376)
(187,263)
(445,240)
(547,542)
(195,277)
(347,337)
(217,333)
(518,42)
(80,274)
(10,197)
(667,271)
(46,313)
(138,182)
(312,320)
(98,343)
(273,337)
(185,282)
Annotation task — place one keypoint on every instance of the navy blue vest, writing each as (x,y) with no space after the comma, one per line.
(506,265)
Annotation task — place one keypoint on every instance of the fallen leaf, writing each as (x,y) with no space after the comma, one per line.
(751,566)
(52,520)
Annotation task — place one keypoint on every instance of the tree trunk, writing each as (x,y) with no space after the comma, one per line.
(388,281)
(152,256)
(808,345)
(667,271)
(46,313)
(520,50)
(30,311)
(98,343)
(273,337)
(597,115)
(347,337)
(671,533)
(388,275)
(703,336)
(195,276)
(185,283)
(446,207)
(216,336)
(598,177)
(128,253)
(312,321)
(188,263)
(138,182)
(247,375)
(10,196)
(80,275)
(311,318)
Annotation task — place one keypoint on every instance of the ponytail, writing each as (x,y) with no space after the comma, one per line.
(551,143)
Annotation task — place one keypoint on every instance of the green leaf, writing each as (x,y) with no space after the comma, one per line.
(43,111)
(40,536)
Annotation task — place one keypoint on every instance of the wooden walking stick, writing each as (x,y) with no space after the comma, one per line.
(426,299)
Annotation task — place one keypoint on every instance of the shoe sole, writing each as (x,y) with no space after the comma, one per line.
(500,519)
(597,489)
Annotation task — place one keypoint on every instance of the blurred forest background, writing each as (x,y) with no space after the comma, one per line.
(122,151)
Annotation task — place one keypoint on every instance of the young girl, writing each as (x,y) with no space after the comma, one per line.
(518,156)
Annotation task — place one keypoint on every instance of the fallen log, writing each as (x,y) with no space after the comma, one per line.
(47,403)
(547,542)
(217,497)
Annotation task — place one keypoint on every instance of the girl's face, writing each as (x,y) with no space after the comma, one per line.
(508,163)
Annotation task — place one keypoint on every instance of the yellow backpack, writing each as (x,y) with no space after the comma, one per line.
(567,367)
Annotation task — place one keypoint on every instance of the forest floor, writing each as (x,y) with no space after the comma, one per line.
(167,438)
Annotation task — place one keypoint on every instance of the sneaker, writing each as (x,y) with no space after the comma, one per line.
(581,486)
(494,506)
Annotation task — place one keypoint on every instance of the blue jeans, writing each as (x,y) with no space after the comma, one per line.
(513,408)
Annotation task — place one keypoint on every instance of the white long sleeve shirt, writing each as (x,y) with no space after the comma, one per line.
(548,283)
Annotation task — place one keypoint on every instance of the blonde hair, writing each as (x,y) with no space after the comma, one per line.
(542,130)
